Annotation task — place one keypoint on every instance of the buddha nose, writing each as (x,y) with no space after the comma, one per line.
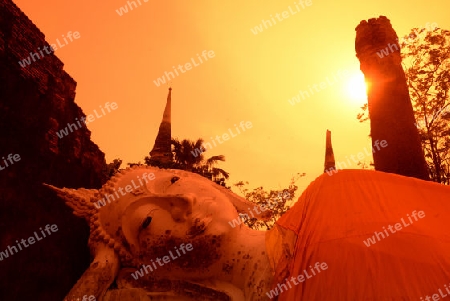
(181,206)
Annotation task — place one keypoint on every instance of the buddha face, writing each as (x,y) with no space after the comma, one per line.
(165,215)
(175,223)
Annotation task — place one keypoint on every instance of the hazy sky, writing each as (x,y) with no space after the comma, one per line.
(247,77)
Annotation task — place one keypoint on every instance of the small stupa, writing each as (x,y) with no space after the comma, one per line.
(330,164)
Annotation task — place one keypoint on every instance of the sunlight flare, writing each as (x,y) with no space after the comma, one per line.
(356,88)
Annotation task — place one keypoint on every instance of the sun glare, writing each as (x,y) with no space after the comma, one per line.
(357,89)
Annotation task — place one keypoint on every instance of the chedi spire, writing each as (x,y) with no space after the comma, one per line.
(330,164)
(390,110)
(162,149)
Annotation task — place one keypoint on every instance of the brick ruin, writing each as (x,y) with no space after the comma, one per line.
(390,110)
(35,102)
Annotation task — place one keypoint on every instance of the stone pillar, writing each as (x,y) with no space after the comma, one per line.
(390,110)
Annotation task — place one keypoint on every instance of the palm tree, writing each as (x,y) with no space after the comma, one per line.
(215,174)
(188,155)
(184,153)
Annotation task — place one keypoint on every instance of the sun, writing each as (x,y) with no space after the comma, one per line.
(356,88)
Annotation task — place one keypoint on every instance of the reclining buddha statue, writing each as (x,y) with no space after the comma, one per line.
(161,234)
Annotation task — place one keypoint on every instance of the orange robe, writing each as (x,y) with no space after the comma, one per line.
(382,237)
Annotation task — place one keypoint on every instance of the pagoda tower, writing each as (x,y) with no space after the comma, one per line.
(329,155)
(162,150)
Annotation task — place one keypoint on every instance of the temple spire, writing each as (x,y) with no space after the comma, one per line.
(162,151)
(329,155)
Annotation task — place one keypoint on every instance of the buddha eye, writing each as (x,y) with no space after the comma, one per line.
(174,179)
(146,222)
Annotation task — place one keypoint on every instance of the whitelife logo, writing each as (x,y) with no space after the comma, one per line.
(9,251)
(188,66)
(269,204)
(389,49)
(124,9)
(436,296)
(360,155)
(10,158)
(146,177)
(85,120)
(26,62)
(285,14)
(301,278)
(338,76)
(166,259)
(430,117)
(371,240)
(248,125)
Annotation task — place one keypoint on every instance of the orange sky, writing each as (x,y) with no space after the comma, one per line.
(250,78)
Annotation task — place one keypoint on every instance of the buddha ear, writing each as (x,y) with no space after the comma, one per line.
(80,200)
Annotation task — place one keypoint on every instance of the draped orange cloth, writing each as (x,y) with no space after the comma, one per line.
(382,237)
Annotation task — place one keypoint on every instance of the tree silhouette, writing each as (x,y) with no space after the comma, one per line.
(274,200)
(427,65)
(188,155)
(111,169)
